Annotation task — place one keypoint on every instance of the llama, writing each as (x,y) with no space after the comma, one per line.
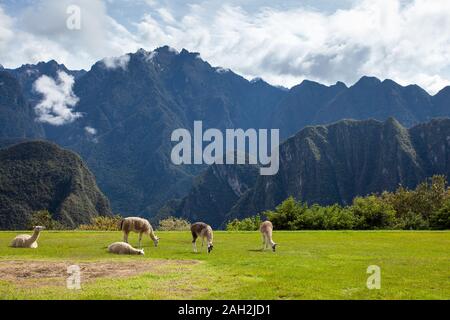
(27,241)
(124,248)
(202,230)
(266,229)
(139,225)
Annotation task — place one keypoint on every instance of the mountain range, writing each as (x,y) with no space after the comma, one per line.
(132,110)
(324,164)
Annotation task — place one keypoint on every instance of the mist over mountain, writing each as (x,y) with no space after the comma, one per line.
(27,75)
(130,105)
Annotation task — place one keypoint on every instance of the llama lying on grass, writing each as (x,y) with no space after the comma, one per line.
(139,225)
(266,229)
(26,240)
(124,248)
(202,230)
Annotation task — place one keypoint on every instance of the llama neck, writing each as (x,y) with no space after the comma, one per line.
(209,237)
(152,235)
(134,251)
(34,237)
(270,239)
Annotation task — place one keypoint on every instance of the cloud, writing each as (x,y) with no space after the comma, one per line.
(165,15)
(117,62)
(56,107)
(91,134)
(90,130)
(41,34)
(6,32)
(405,40)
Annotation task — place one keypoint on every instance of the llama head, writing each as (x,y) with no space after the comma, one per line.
(210,247)
(141,252)
(274,246)
(38,228)
(156,241)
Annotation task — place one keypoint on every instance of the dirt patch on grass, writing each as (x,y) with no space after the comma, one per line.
(53,273)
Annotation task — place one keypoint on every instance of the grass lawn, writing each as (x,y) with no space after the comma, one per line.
(307,265)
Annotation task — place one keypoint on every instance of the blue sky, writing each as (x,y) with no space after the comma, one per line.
(284,42)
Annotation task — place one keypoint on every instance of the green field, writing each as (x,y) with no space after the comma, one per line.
(307,265)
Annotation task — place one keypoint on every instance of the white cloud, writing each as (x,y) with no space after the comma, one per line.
(165,15)
(56,107)
(222,70)
(117,62)
(6,32)
(41,34)
(90,131)
(405,40)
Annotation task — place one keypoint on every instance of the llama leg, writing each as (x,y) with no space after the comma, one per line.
(194,240)
(140,239)
(125,237)
(263,241)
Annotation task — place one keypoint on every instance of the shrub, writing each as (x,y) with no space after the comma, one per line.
(311,219)
(102,223)
(428,197)
(338,218)
(44,218)
(285,215)
(440,220)
(426,207)
(247,224)
(411,221)
(174,224)
(372,213)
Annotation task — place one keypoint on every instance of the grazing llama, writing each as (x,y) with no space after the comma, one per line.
(266,229)
(27,241)
(124,248)
(202,230)
(139,225)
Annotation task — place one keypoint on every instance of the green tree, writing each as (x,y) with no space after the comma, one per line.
(103,223)
(44,218)
(440,220)
(174,224)
(247,224)
(372,212)
(286,214)
(312,218)
(338,218)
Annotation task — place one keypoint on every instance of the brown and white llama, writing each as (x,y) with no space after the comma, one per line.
(202,230)
(266,229)
(124,248)
(26,240)
(139,225)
